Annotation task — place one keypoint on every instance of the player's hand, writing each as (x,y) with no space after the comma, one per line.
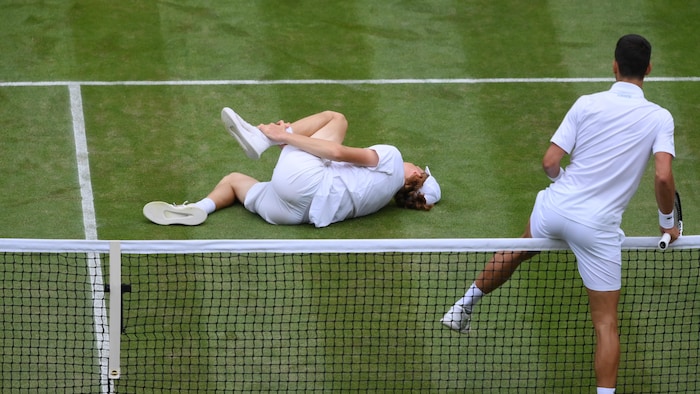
(673,232)
(275,131)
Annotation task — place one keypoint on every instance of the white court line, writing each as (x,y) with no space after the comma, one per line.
(407,81)
(90,225)
(81,153)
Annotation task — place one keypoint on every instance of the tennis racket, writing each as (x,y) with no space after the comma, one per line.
(678,221)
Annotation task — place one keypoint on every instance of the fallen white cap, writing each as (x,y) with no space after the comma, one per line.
(430,189)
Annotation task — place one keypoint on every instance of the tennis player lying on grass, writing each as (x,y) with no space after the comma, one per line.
(317,179)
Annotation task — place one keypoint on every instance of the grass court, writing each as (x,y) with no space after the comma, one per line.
(474,89)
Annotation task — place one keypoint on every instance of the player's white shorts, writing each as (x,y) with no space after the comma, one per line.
(286,198)
(598,252)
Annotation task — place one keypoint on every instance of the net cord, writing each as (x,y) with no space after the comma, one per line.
(318,246)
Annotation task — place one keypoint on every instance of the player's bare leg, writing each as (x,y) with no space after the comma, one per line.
(328,125)
(499,269)
(502,266)
(233,187)
(603,305)
(496,272)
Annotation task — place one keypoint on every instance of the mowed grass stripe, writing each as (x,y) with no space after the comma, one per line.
(341,50)
(509,131)
(41,196)
(513,127)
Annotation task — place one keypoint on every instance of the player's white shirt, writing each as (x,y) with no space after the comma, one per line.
(349,191)
(610,136)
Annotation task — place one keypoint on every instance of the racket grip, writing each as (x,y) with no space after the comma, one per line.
(663,242)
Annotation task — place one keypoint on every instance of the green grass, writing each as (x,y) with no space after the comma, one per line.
(40,193)
(482,141)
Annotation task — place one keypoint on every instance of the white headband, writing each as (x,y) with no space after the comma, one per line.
(430,189)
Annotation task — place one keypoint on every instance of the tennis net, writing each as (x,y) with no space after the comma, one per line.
(332,316)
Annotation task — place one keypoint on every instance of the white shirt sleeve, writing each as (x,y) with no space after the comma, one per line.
(565,136)
(664,140)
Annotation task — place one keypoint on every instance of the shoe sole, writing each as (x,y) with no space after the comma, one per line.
(166,214)
(236,129)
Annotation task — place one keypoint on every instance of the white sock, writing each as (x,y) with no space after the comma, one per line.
(471,297)
(603,390)
(207,204)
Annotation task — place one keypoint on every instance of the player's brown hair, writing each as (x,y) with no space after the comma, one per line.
(409,195)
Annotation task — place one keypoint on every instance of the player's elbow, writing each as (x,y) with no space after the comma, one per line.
(663,175)
(336,153)
(664,180)
(551,161)
(550,167)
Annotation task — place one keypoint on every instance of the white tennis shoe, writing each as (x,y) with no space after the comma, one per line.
(251,139)
(458,318)
(166,214)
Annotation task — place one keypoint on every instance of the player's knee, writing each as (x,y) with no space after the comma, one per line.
(232,178)
(337,116)
(605,326)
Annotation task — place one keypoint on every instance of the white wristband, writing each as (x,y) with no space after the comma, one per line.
(666,219)
(561,172)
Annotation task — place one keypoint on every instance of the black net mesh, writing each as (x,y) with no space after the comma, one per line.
(340,322)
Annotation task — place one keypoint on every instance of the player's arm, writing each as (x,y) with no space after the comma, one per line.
(322,148)
(665,187)
(664,184)
(551,162)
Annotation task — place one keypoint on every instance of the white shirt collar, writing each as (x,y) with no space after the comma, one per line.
(627,89)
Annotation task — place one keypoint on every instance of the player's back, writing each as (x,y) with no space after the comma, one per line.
(610,136)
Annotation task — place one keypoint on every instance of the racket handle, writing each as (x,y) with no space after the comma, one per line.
(664,241)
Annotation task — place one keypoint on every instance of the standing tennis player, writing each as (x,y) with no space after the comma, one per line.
(317,179)
(610,137)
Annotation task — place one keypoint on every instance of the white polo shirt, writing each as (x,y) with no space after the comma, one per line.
(610,136)
(349,191)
